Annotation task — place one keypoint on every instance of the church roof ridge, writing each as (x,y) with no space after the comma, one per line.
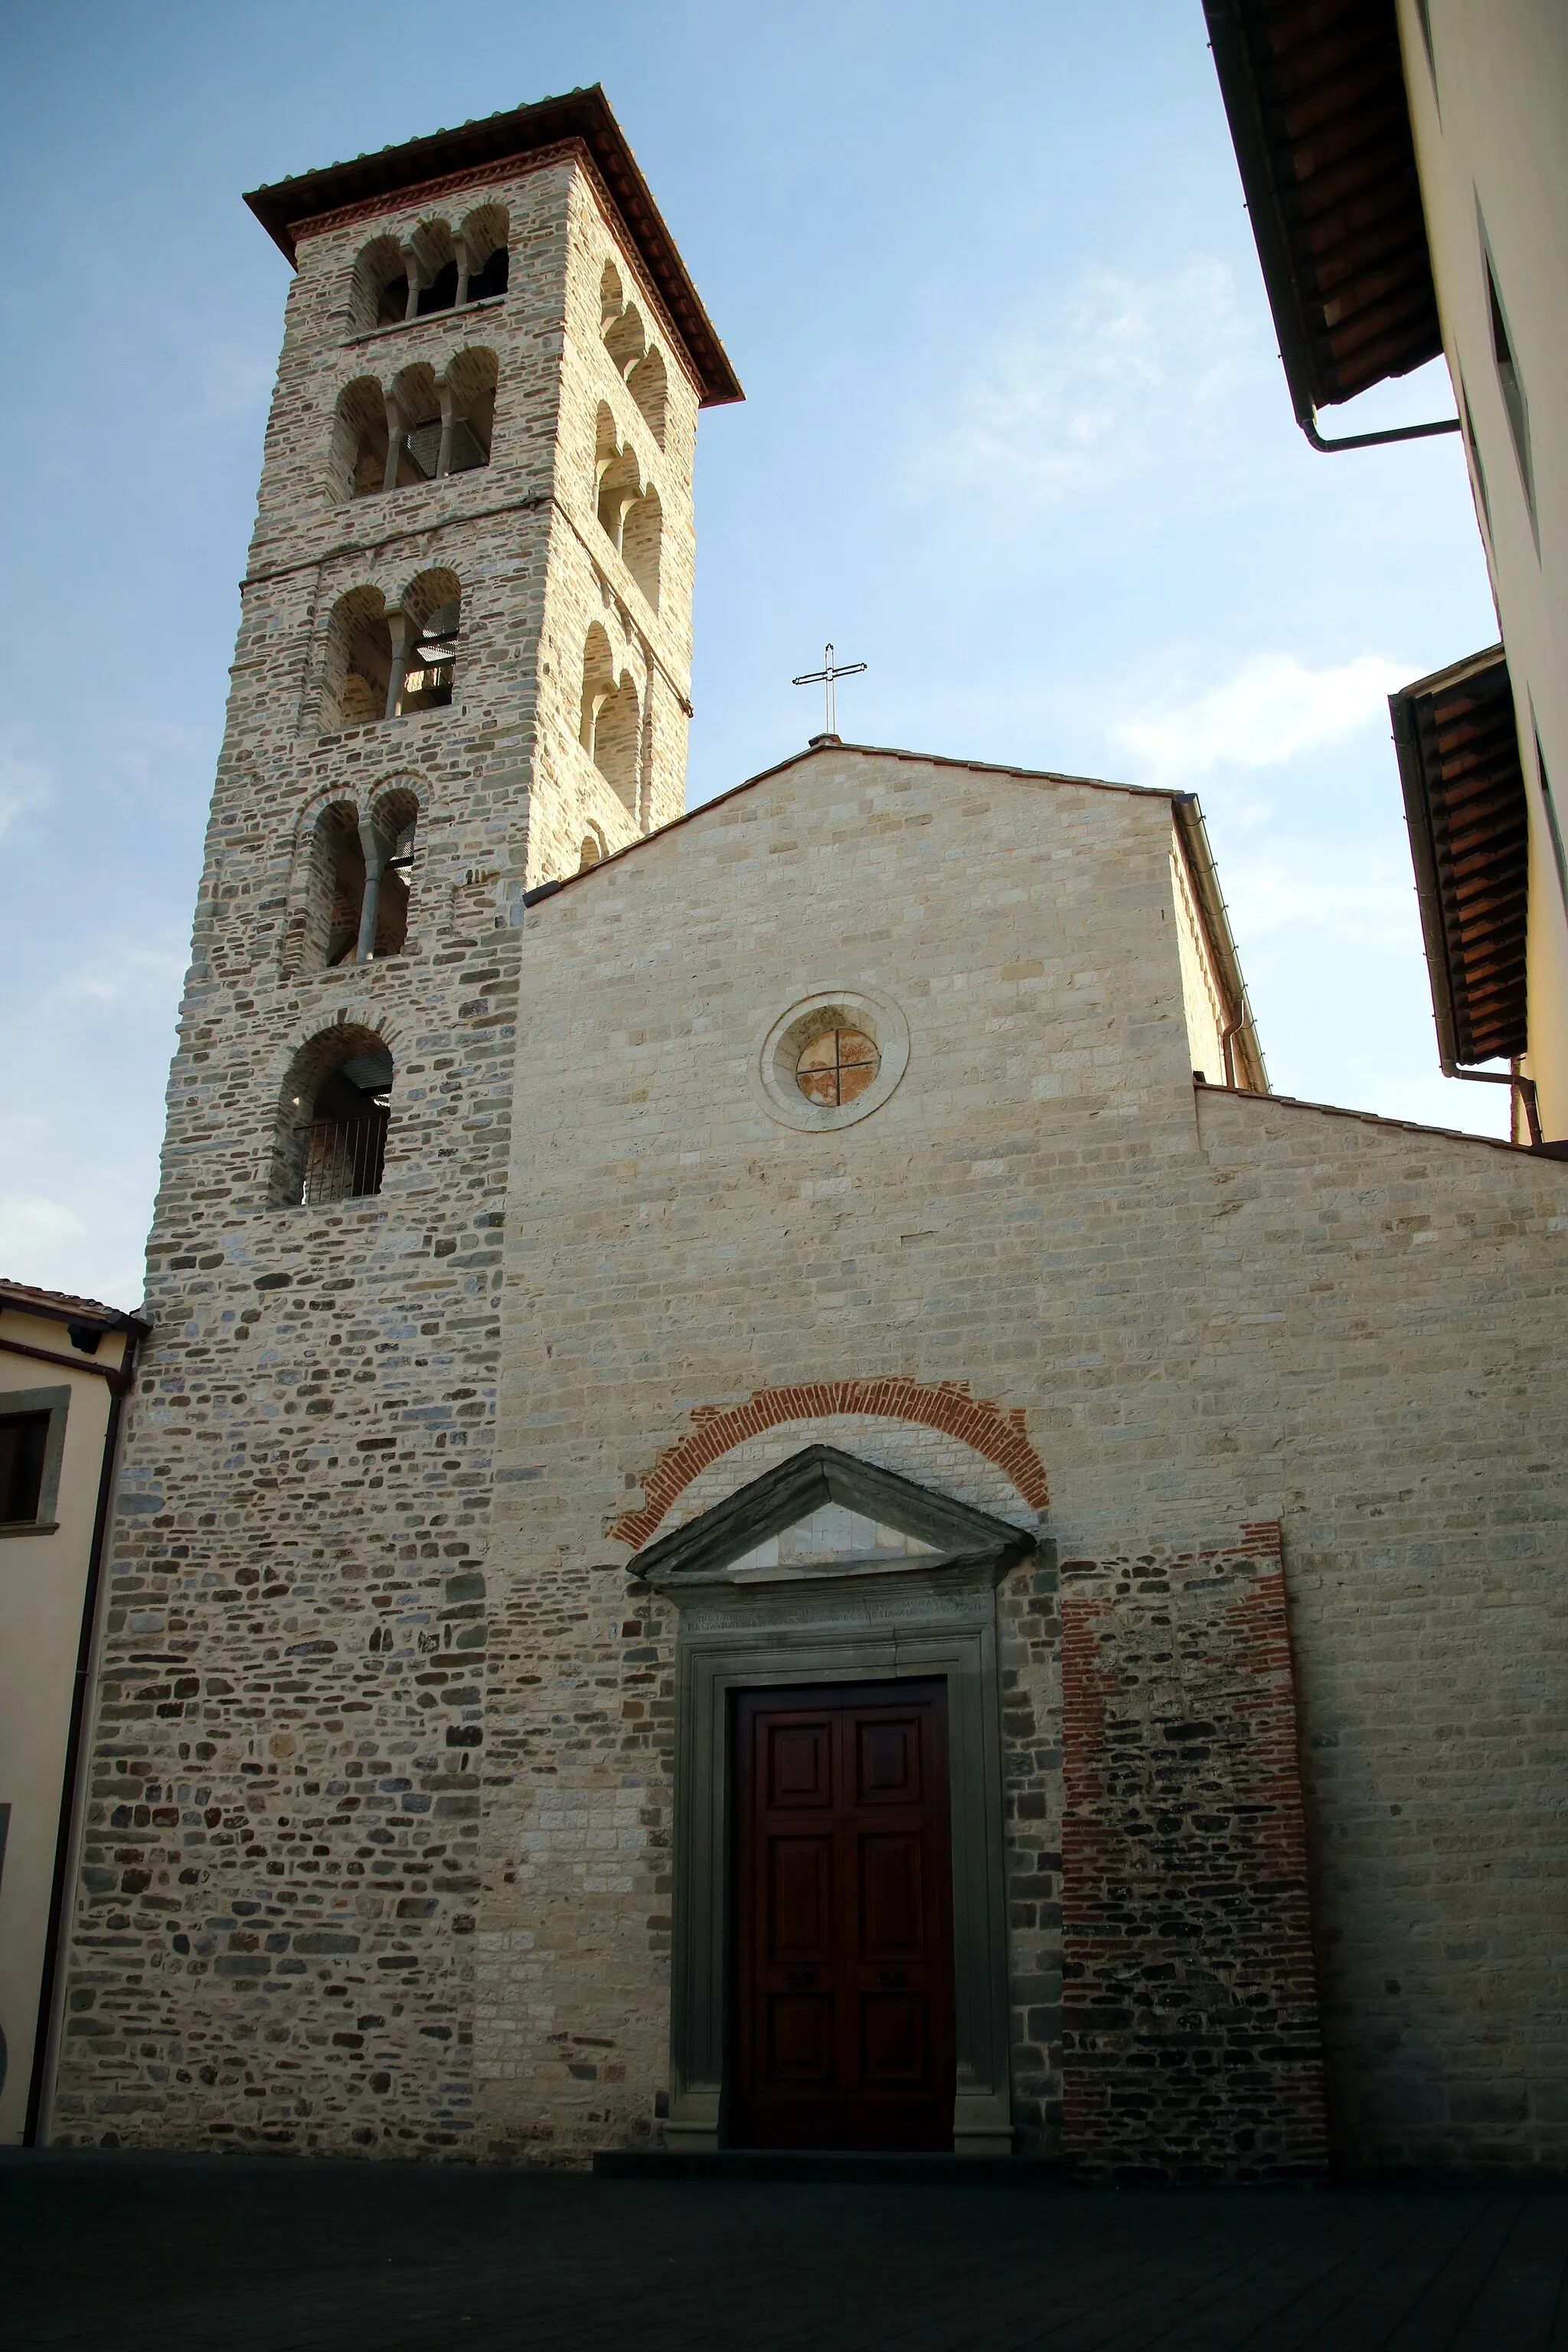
(871,751)
(978,766)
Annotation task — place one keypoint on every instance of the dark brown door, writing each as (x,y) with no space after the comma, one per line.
(844,1918)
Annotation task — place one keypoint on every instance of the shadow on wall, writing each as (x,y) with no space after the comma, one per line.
(611,726)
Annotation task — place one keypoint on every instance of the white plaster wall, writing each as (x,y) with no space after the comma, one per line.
(1488,115)
(43,1581)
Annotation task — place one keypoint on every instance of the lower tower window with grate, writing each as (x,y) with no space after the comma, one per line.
(337,1115)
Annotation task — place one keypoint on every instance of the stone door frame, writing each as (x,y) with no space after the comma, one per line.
(908,1630)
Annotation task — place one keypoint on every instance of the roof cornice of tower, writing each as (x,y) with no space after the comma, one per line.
(290,206)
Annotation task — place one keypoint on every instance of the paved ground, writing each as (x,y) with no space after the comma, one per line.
(125,2254)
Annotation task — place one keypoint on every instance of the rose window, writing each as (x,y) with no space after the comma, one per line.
(835,1066)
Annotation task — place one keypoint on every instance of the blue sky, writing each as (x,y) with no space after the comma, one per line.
(1015,435)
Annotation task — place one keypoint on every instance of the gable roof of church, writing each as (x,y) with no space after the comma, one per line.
(1185,808)
(863,751)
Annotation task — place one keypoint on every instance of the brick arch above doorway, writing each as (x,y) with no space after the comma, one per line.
(998,1433)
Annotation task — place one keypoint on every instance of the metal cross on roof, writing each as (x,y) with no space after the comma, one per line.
(825,677)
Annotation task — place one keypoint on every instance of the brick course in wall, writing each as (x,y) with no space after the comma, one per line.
(999,1435)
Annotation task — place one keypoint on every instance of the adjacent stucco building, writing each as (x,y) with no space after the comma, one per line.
(66,1365)
(1404,172)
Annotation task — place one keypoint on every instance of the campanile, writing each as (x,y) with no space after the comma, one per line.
(462,673)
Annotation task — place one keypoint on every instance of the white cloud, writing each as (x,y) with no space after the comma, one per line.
(147,977)
(1305,883)
(32,1230)
(24,784)
(1076,400)
(94,1252)
(233,379)
(1269,710)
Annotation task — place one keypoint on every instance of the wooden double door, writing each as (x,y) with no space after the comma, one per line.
(843,2008)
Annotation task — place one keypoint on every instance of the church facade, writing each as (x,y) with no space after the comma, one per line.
(772,1503)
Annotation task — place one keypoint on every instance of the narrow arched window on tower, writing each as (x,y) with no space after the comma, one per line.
(620,487)
(334,894)
(358,883)
(435,604)
(358,462)
(433,266)
(358,667)
(394,821)
(334,1121)
(467,394)
(1510,382)
(610,730)
(625,340)
(378,291)
(482,249)
(648,385)
(642,539)
(416,406)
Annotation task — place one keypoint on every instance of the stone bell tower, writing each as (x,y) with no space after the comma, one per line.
(462,672)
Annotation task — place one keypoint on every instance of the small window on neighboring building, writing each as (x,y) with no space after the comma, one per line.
(837,1066)
(1512,387)
(24,1439)
(32,1442)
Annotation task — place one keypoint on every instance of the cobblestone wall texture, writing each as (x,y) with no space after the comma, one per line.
(1190,2026)
(376,1854)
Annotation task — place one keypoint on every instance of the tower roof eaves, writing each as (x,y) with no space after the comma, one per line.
(287,206)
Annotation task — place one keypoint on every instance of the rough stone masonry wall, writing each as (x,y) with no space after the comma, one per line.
(1191,2040)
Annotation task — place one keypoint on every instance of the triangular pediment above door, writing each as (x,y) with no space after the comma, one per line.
(824,1513)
